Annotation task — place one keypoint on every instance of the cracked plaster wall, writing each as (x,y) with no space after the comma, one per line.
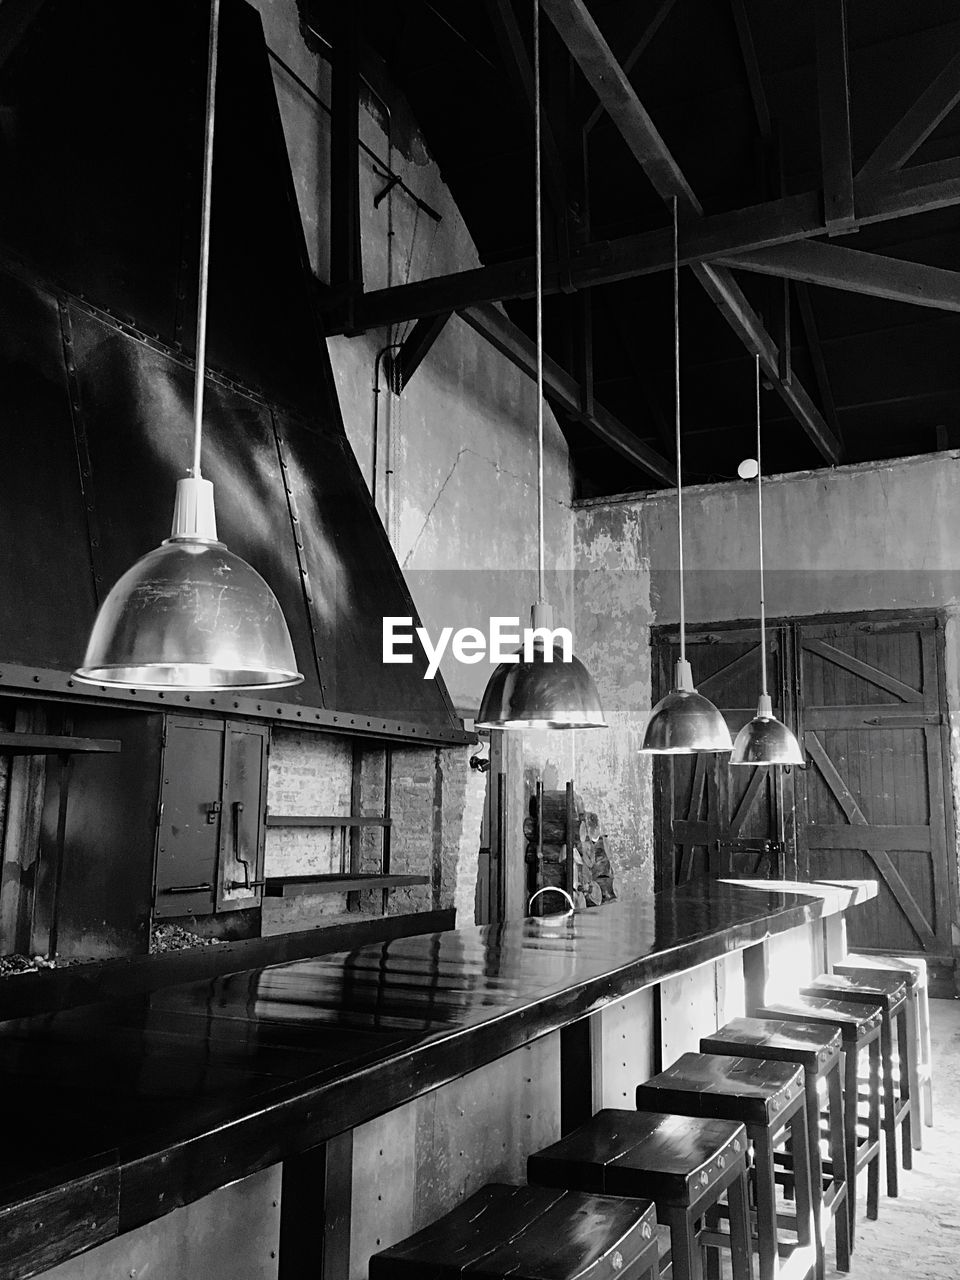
(846,540)
(455,479)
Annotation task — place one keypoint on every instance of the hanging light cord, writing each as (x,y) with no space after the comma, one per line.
(205,235)
(676,402)
(539,287)
(763,607)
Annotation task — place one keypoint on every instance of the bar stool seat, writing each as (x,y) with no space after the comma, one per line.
(685,1165)
(913,971)
(818,1049)
(768,1099)
(530,1233)
(890,992)
(859,1026)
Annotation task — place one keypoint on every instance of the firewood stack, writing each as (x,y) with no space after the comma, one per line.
(593,880)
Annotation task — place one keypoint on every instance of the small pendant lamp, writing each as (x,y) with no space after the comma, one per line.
(545,692)
(684,721)
(191,615)
(764,740)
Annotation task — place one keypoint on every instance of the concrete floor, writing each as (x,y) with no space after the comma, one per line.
(917,1236)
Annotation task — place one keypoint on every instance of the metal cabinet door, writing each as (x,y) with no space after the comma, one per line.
(188,838)
(240,882)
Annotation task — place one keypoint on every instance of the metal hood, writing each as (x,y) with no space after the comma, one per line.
(100,139)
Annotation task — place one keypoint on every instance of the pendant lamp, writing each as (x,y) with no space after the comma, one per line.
(544,692)
(684,721)
(191,615)
(764,740)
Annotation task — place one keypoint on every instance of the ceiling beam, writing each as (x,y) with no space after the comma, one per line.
(520,74)
(833,99)
(563,390)
(812,336)
(660,14)
(919,189)
(590,50)
(836,267)
(915,125)
(758,96)
(414,349)
(346,259)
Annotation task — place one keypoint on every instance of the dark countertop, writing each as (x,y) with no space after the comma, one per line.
(117,1112)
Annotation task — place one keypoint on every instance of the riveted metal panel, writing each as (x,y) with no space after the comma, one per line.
(45,570)
(232,1234)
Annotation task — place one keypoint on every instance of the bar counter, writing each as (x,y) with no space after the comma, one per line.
(118,1113)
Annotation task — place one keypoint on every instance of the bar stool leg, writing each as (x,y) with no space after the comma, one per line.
(684,1249)
(889,1110)
(802,1179)
(907,1050)
(851,1087)
(913,1066)
(841,1171)
(873,1129)
(766,1193)
(741,1251)
(816,1169)
(926,1053)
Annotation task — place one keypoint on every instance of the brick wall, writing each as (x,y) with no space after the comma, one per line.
(436,810)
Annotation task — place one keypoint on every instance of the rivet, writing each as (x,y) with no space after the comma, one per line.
(617,1259)
(736,1144)
(704,1179)
(721,1162)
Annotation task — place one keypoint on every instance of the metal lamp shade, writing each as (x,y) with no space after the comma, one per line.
(685,721)
(765,740)
(190,615)
(541,694)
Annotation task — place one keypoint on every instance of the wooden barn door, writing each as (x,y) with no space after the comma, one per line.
(713,819)
(875,802)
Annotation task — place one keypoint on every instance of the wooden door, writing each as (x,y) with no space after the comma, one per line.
(875,802)
(712,818)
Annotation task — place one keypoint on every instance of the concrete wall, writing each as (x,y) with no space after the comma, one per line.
(455,473)
(456,452)
(845,540)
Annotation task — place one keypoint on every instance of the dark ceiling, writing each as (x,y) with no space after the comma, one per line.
(733,89)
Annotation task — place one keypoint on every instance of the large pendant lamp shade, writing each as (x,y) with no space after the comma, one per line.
(191,615)
(544,692)
(684,721)
(764,739)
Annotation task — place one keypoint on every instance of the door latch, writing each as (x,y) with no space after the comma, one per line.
(213,810)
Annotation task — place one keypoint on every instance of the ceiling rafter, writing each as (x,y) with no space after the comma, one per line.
(564,391)
(918,189)
(915,125)
(833,100)
(590,50)
(855,271)
(520,74)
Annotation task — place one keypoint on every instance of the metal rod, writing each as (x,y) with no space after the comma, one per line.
(205,235)
(676,404)
(539,258)
(763,607)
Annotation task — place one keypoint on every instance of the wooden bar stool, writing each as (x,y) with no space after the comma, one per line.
(818,1049)
(685,1165)
(859,1026)
(530,1233)
(913,971)
(768,1098)
(890,993)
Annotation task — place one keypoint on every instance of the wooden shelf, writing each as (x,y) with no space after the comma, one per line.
(292,886)
(325,820)
(36,744)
